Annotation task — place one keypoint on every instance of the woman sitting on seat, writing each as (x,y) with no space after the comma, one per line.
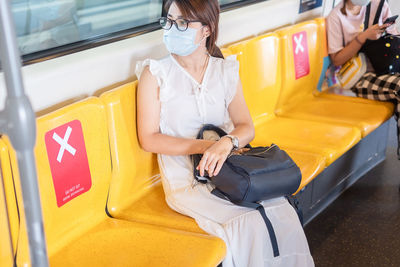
(177,95)
(346,36)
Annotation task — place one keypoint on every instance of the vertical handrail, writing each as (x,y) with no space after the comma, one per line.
(18,121)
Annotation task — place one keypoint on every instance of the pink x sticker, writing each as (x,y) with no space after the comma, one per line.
(68,161)
(300,54)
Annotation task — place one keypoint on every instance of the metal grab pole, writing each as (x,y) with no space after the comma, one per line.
(18,121)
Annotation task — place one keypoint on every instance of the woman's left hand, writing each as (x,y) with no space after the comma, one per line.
(214,157)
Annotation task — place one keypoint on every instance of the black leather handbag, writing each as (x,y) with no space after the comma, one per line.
(384,53)
(260,173)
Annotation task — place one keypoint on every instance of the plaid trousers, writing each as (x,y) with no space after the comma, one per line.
(383,88)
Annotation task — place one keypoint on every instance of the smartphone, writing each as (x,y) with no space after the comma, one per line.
(391,20)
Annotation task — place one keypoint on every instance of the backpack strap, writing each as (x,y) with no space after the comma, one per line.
(261,210)
(210,127)
(196,158)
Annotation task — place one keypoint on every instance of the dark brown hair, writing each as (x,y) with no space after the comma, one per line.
(207,12)
(343,9)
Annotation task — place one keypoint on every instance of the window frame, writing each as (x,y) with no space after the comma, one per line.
(82,45)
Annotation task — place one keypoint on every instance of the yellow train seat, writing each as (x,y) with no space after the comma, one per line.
(9,191)
(136,193)
(74,173)
(6,215)
(261,77)
(310,165)
(226,52)
(301,68)
(321,22)
(6,251)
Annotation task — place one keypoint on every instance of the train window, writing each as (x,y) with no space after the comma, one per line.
(52,28)
(45,24)
(224,2)
(230,4)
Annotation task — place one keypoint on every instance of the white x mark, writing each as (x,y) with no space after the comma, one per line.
(299,45)
(64,144)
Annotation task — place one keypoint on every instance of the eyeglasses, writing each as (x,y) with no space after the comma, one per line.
(180,24)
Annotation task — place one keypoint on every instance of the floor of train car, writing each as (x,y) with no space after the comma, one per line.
(362,227)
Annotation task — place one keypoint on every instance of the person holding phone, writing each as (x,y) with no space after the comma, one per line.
(391,20)
(346,37)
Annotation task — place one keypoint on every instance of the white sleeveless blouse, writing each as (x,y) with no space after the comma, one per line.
(186,106)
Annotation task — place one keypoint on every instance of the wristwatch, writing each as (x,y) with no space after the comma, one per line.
(235,141)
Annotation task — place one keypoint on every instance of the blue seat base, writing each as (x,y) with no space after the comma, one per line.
(343,173)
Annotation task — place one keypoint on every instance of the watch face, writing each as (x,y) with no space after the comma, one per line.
(235,142)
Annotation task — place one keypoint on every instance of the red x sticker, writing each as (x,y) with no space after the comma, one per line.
(300,54)
(68,161)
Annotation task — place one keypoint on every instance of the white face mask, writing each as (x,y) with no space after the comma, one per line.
(360,2)
(181,43)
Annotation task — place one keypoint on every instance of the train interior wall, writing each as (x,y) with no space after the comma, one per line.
(54,83)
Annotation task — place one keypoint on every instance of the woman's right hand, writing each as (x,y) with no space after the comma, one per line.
(374,32)
(214,157)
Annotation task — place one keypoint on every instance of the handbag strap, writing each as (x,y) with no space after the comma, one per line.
(379,12)
(367,15)
(377,15)
(261,210)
